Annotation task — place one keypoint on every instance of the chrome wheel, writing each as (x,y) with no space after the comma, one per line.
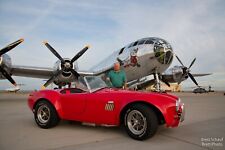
(43,114)
(136,122)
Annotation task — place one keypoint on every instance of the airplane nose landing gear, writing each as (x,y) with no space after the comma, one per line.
(156,77)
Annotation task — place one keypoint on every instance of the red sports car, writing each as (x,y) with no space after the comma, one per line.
(139,112)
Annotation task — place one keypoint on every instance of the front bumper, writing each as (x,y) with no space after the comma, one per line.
(176,114)
(181,113)
(180,110)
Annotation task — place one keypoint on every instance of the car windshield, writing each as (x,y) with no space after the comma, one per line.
(95,83)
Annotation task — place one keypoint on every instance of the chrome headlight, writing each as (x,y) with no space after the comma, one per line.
(182,114)
(178,104)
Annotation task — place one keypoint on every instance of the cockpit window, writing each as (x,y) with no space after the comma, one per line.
(130,45)
(168,57)
(135,43)
(149,42)
(159,53)
(163,52)
(141,42)
(121,51)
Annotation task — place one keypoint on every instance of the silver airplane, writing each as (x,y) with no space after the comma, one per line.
(139,59)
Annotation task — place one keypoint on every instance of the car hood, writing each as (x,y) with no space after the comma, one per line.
(147,93)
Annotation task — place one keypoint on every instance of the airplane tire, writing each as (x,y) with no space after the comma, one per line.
(140,122)
(45,115)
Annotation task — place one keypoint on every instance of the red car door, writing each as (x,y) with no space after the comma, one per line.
(101,108)
(73,104)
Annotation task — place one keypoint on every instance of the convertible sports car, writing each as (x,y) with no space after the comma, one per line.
(139,112)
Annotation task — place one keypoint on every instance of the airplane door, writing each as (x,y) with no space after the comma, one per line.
(73,103)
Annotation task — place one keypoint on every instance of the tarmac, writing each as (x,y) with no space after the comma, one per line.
(203,128)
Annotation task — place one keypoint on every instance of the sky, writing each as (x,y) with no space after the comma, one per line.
(194,29)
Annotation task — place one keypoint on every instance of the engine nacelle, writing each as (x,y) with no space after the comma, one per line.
(178,72)
(6,64)
(66,77)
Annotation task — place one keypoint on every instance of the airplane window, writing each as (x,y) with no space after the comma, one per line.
(168,57)
(130,45)
(135,43)
(141,42)
(160,43)
(121,51)
(149,42)
(162,53)
(159,52)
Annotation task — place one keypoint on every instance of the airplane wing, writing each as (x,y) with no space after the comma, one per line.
(171,78)
(140,84)
(46,73)
(201,74)
(34,72)
(165,78)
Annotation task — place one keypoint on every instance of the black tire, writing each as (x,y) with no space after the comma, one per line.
(143,118)
(45,115)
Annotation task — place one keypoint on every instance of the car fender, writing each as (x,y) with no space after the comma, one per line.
(162,105)
(52,97)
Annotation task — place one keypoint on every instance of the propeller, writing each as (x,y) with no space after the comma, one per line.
(5,50)
(164,81)
(66,65)
(186,71)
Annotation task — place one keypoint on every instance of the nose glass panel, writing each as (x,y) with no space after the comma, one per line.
(163,52)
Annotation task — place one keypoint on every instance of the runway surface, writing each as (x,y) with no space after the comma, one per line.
(203,128)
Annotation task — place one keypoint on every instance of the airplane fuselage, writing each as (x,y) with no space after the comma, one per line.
(141,58)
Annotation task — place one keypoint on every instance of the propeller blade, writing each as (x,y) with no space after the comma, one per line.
(164,81)
(76,74)
(192,78)
(192,63)
(10,46)
(54,51)
(7,76)
(79,54)
(179,60)
(51,79)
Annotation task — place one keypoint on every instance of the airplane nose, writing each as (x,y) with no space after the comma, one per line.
(163,52)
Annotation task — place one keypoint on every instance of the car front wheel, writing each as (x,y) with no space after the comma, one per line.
(45,115)
(140,122)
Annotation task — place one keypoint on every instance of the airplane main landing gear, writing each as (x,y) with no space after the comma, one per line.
(156,77)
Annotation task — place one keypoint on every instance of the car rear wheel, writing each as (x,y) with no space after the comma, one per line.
(140,122)
(45,115)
